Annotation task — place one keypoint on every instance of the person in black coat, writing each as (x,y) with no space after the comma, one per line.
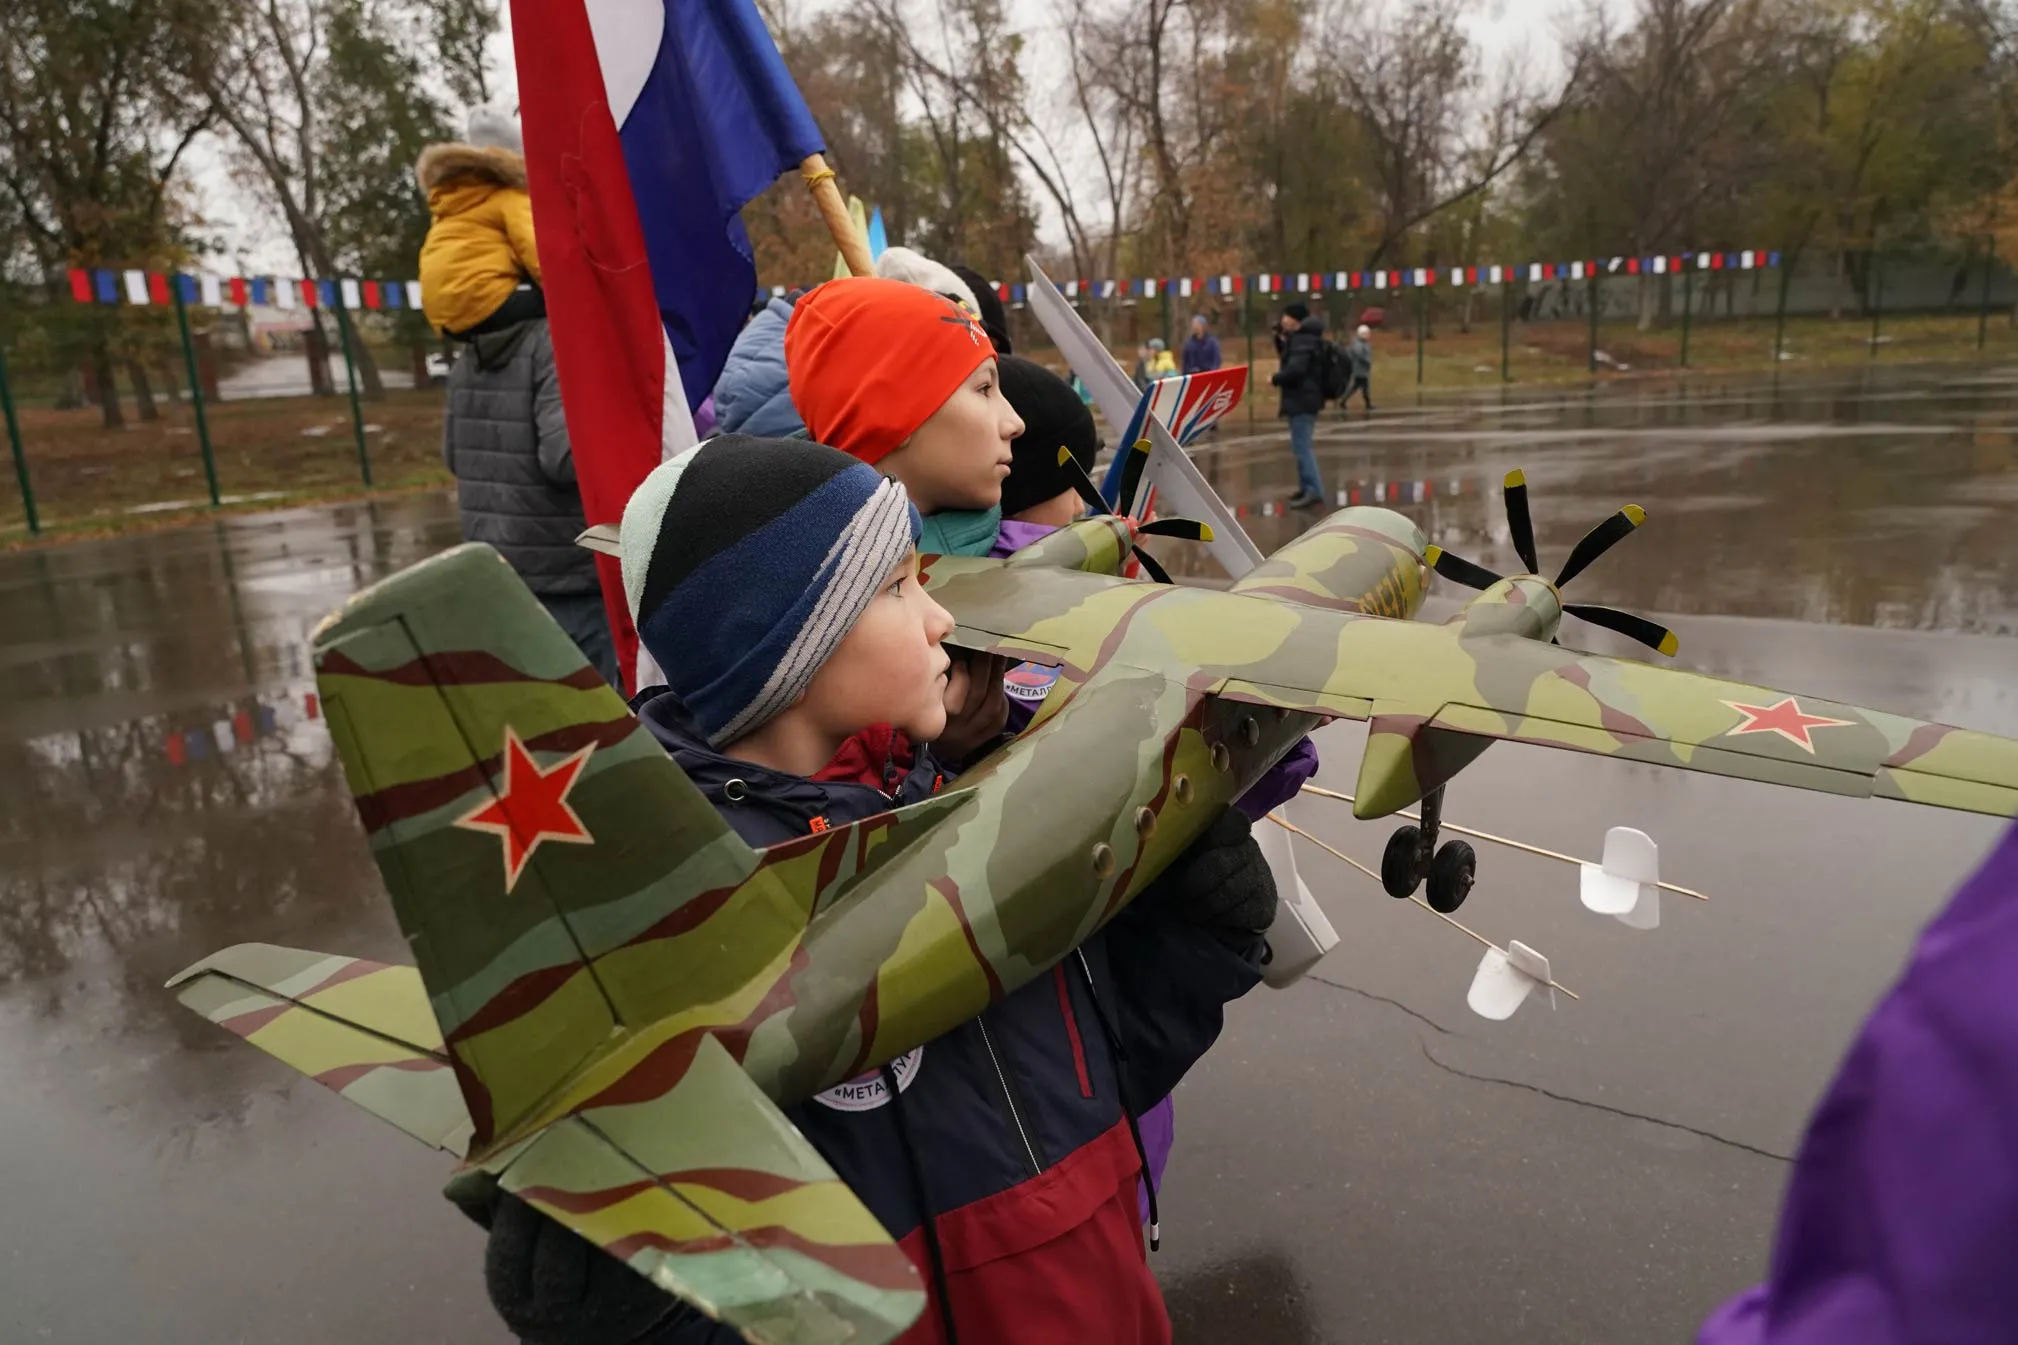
(1299,344)
(506,443)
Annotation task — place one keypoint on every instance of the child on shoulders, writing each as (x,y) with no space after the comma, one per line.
(479,268)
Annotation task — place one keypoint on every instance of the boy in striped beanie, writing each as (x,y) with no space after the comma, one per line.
(776,583)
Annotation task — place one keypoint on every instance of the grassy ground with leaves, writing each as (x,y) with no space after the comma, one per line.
(268,452)
(279,451)
(1559,352)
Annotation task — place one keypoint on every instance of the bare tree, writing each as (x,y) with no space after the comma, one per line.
(88,149)
(254,64)
(1673,122)
(1436,135)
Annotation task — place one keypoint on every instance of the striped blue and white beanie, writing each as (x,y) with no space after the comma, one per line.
(745,563)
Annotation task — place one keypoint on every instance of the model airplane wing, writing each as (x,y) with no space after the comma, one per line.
(1437,693)
(362,1029)
(710,1193)
(1413,678)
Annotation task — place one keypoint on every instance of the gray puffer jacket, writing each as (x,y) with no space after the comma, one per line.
(507,446)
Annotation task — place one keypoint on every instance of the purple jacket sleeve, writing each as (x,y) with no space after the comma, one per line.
(1281,783)
(1902,1214)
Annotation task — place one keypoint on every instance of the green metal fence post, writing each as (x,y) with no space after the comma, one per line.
(14,442)
(1983,305)
(1780,316)
(1688,304)
(195,390)
(1505,323)
(1247,326)
(343,329)
(1421,321)
(1877,297)
(1593,360)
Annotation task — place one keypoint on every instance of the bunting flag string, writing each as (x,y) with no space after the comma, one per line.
(142,288)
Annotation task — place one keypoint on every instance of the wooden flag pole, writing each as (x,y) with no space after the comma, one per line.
(834,210)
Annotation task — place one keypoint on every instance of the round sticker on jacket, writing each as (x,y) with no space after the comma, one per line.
(1029,682)
(865,1092)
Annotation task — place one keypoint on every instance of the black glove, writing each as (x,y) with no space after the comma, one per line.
(554,1287)
(1221,882)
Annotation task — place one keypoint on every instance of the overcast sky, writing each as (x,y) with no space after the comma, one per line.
(1506,30)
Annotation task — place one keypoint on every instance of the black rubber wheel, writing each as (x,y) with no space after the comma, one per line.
(1451,875)
(1397,862)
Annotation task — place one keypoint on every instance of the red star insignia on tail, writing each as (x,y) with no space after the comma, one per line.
(1785,718)
(532,807)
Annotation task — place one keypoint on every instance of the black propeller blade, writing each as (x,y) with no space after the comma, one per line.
(1151,568)
(1083,483)
(1599,540)
(1518,521)
(1189,529)
(1649,633)
(1131,475)
(1459,570)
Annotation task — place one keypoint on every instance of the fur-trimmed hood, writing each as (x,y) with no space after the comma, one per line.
(453,164)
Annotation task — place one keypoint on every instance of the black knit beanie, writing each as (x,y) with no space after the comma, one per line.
(1297,311)
(994,318)
(1053,418)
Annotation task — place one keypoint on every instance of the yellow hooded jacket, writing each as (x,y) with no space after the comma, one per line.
(480,246)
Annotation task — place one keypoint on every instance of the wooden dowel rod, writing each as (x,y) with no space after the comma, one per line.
(1507,841)
(834,210)
(1288,825)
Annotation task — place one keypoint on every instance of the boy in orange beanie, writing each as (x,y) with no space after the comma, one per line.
(905,380)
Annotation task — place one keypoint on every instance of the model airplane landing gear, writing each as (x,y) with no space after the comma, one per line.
(1412,856)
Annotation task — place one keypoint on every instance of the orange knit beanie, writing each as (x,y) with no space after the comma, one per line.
(870,360)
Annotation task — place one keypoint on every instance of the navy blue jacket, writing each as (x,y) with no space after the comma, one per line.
(1201,353)
(1015,1117)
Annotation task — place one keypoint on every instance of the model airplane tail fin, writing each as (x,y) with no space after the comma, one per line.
(527,826)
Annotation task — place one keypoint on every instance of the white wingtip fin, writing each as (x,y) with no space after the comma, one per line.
(1504,980)
(1625,885)
(1301,934)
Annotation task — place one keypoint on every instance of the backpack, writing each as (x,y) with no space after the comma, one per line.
(1334,371)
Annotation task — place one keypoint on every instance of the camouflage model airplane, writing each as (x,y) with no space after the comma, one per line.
(614,995)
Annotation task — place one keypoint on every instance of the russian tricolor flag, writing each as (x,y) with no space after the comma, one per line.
(648,126)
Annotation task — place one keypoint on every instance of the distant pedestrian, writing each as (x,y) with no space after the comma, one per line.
(1141,374)
(1299,344)
(1161,363)
(1360,354)
(1201,348)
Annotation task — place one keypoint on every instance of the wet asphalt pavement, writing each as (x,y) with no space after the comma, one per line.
(1359,1160)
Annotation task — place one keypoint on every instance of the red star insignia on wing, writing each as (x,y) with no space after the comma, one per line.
(532,807)
(1785,718)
